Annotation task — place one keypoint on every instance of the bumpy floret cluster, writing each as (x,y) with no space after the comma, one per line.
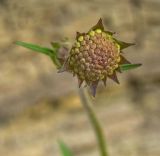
(94,56)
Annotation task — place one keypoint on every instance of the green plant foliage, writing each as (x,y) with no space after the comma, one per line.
(36,48)
(64,149)
(125,67)
(52,53)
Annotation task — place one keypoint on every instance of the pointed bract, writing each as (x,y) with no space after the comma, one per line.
(78,34)
(80,82)
(99,25)
(93,88)
(114,77)
(104,80)
(119,70)
(124,60)
(123,45)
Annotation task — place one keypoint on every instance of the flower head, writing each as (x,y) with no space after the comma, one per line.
(95,56)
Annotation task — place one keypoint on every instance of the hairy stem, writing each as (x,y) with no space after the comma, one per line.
(87,104)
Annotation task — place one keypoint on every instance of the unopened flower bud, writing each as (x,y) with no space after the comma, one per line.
(96,56)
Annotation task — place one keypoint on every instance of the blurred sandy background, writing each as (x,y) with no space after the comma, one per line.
(39,106)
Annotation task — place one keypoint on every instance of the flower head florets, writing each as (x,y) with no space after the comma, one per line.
(95,55)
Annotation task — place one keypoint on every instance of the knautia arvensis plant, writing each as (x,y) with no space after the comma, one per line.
(95,56)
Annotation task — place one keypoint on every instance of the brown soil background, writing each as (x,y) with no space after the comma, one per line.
(39,106)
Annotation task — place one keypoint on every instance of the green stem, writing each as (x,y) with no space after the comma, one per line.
(94,121)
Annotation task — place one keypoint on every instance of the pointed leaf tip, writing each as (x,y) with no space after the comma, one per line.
(35,47)
(64,149)
(125,67)
(47,51)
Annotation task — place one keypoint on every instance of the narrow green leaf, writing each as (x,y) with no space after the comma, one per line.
(52,53)
(125,67)
(35,47)
(64,149)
